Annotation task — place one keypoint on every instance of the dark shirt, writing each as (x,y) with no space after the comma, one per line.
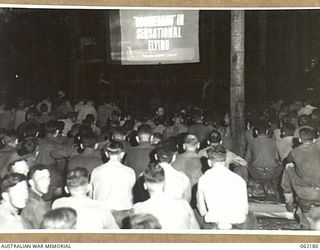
(46,146)
(34,211)
(6,155)
(139,157)
(89,159)
(190,164)
(262,153)
(6,120)
(306,158)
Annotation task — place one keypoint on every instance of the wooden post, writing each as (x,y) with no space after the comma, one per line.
(262,90)
(237,89)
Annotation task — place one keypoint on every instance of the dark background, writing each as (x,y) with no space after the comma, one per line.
(43,51)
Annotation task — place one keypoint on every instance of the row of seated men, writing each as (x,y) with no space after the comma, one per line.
(210,184)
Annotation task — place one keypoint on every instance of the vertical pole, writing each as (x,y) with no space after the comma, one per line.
(262,56)
(237,84)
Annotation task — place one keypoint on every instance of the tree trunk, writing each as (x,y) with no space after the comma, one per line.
(262,56)
(237,90)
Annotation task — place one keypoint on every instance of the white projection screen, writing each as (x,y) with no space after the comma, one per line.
(155,37)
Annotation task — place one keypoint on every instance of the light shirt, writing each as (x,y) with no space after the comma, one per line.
(9,218)
(91,214)
(171,213)
(222,196)
(176,184)
(307,110)
(112,184)
(86,110)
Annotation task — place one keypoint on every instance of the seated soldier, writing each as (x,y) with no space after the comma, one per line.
(222,195)
(60,218)
(14,192)
(301,175)
(10,142)
(89,156)
(198,128)
(233,161)
(264,162)
(138,157)
(285,140)
(36,208)
(172,213)
(92,214)
(303,122)
(177,184)
(177,128)
(189,163)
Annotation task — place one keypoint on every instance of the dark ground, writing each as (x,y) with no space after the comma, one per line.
(277,224)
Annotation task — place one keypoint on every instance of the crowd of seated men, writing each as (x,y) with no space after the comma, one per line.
(88,166)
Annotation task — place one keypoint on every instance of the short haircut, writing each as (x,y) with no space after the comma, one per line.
(154,173)
(51,126)
(28,146)
(215,137)
(262,126)
(191,139)
(60,218)
(217,153)
(113,148)
(306,134)
(88,139)
(77,177)
(35,168)
(10,180)
(144,221)
(144,129)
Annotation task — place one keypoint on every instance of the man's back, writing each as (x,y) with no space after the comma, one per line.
(171,213)
(112,184)
(307,160)
(89,159)
(91,214)
(139,157)
(263,153)
(190,164)
(46,146)
(222,196)
(176,184)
